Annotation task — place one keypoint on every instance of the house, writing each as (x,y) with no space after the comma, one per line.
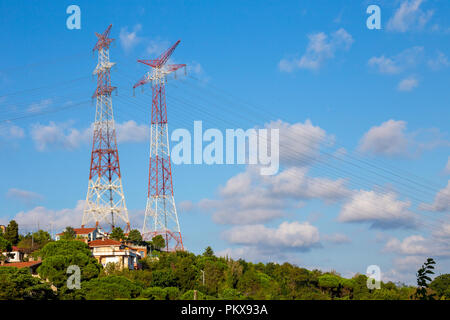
(88,234)
(142,250)
(112,251)
(15,255)
(30,265)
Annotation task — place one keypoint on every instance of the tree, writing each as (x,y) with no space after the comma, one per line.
(59,255)
(135,236)
(154,293)
(109,288)
(18,284)
(441,284)
(158,242)
(68,234)
(35,240)
(5,245)
(12,232)
(208,252)
(117,234)
(423,279)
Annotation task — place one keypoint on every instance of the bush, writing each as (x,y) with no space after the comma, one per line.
(19,284)
(110,288)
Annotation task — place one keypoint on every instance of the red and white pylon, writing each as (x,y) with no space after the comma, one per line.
(105,201)
(160,213)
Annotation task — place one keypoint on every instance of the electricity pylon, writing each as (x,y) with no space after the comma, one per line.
(160,213)
(105,201)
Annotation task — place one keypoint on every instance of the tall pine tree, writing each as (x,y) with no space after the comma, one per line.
(12,232)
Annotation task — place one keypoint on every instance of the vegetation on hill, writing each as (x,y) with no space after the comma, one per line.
(176,275)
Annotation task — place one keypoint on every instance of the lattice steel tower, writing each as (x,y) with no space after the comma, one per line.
(160,213)
(105,202)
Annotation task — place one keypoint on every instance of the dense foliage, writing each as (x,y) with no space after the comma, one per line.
(58,256)
(19,284)
(181,275)
(170,276)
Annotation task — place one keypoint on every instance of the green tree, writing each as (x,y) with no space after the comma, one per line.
(208,252)
(172,293)
(109,288)
(163,278)
(68,234)
(158,242)
(441,284)
(12,232)
(154,293)
(117,234)
(59,255)
(35,240)
(19,284)
(423,280)
(135,236)
(5,245)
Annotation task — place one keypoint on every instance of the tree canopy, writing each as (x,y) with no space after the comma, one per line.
(12,232)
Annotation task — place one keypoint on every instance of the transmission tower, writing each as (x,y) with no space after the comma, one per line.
(160,212)
(105,202)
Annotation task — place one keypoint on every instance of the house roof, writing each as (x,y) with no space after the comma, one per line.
(21,264)
(105,242)
(80,231)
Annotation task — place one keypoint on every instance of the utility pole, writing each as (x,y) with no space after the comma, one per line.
(203,277)
(160,213)
(105,201)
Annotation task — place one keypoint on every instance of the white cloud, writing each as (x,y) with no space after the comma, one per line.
(381,210)
(443,232)
(408,84)
(412,245)
(185,206)
(46,218)
(157,46)
(409,16)
(249,198)
(337,238)
(130,131)
(294,183)
(38,106)
(406,59)
(129,40)
(388,139)
(11,131)
(300,143)
(384,65)
(59,136)
(320,48)
(63,136)
(440,62)
(441,201)
(294,235)
(391,139)
(24,196)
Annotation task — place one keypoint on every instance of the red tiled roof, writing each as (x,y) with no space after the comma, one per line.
(106,242)
(80,231)
(21,264)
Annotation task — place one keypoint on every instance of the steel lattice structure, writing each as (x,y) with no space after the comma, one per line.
(105,201)
(160,213)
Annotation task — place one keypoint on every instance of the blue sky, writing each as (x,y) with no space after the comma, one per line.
(368,109)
